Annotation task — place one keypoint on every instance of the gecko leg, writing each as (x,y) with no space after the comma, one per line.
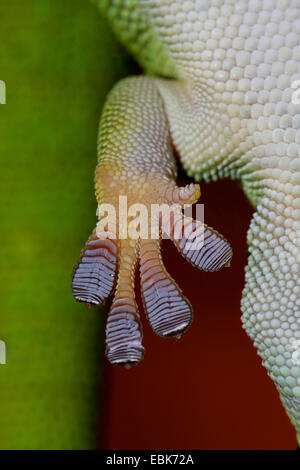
(136,163)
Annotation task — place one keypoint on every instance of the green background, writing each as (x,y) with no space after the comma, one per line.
(59,60)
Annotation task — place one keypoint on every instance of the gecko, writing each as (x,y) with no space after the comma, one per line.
(219,90)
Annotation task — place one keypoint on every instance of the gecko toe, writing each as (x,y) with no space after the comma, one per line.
(168,311)
(94,275)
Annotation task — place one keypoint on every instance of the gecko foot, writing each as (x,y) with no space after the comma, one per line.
(108,262)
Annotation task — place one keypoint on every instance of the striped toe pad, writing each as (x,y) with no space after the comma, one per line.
(168,311)
(201,245)
(123,337)
(94,274)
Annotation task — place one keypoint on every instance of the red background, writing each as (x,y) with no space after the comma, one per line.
(207,390)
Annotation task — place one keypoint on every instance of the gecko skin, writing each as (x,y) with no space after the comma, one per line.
(219,88)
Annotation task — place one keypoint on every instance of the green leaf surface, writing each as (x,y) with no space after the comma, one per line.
(58,59)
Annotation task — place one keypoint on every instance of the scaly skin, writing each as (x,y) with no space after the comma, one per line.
(229,112)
